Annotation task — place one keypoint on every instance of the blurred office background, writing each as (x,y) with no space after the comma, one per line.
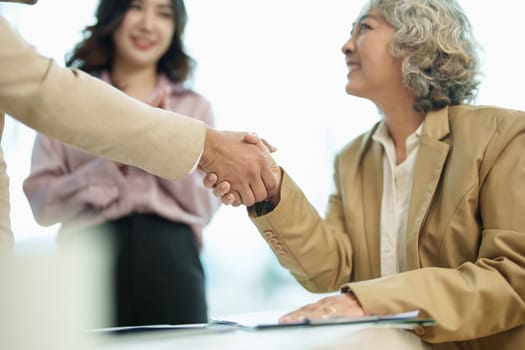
(273,67)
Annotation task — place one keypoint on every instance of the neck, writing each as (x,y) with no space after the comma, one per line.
(401,120)
(138,83)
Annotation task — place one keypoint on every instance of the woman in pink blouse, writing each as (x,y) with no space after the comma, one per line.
(155,224)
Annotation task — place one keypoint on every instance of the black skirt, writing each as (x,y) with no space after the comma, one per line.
(158,275)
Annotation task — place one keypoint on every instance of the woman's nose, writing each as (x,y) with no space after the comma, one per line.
(148,19)
(348,46)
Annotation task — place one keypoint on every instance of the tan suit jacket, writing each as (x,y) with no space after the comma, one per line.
(465,237)
(81,111)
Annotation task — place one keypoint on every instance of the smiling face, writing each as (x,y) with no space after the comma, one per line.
(145,33)
(372,70)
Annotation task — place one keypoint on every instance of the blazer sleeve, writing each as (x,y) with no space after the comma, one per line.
(317,251)
(83,112)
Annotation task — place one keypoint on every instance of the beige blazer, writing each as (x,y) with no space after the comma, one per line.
(81,111)
(465,237)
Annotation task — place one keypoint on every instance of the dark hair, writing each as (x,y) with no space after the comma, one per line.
(95,52)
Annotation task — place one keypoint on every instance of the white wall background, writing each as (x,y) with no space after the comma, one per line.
(273,67)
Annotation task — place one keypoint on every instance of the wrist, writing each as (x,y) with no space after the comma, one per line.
(350,294)
(203,162)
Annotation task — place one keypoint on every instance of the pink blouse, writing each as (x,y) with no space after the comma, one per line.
(78,190)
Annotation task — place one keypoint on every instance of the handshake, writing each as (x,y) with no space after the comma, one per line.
(239,168)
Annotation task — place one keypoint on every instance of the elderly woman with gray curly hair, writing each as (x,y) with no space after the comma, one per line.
(428,208)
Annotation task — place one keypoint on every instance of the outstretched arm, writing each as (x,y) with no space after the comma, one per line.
(81,111)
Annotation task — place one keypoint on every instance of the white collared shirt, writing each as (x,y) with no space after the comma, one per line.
(397,189)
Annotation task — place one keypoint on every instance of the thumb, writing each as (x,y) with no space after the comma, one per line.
(160,100)
(255,139)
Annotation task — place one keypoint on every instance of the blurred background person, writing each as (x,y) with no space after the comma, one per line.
(155,225)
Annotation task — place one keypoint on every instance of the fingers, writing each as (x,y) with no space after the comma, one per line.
(298,315)
(155,101)
(271,175)
(224,191)
(160,100)
(247,196)
(221,190)
(209,180)
(228,197)
(259,191)
(259,185)
(164,100)
(232,199)
(236,199)
(341,305)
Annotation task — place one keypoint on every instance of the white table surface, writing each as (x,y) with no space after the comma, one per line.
(361,337)
(46,303)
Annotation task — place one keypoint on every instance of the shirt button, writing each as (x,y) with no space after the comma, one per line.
(268,234)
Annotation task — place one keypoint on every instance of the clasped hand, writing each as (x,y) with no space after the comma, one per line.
(241,169)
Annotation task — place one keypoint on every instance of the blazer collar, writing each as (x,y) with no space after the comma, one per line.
(372,175)
(436,124)
(431,159)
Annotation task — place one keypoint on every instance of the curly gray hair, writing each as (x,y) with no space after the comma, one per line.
(440,64)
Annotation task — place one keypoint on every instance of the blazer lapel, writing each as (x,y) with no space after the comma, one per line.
(372,174)
(430,161)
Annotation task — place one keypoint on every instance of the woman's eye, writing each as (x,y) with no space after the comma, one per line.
(363,26)
(166,14)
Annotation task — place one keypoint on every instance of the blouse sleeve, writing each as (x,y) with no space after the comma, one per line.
(57,193)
